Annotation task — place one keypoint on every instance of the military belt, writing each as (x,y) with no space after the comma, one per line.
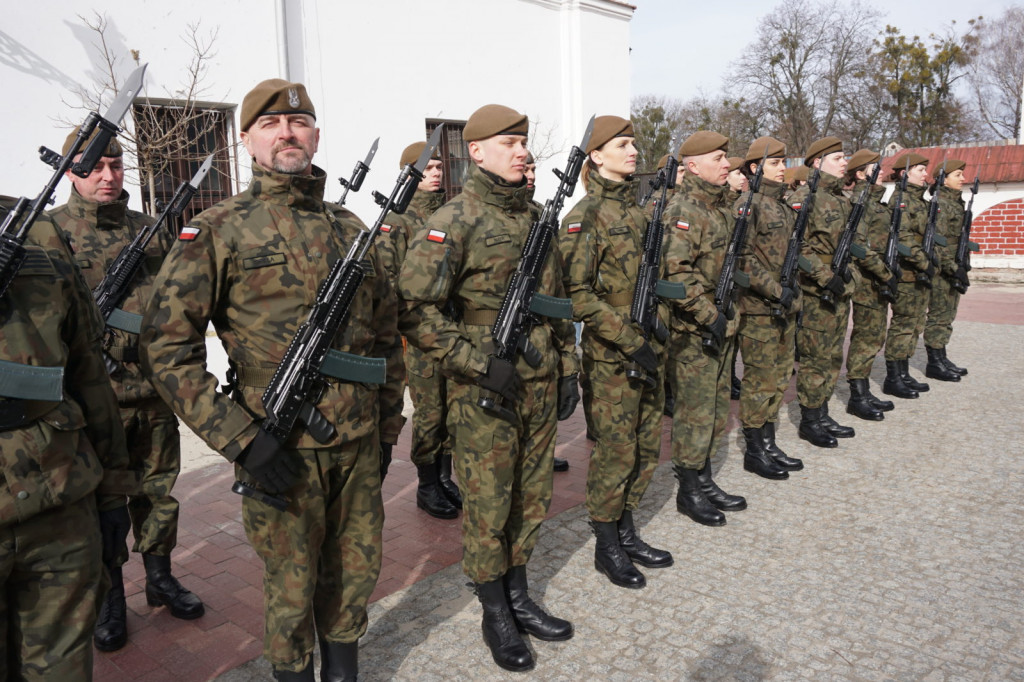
(541,304)
(15,413)
(124,353)
(30,382)
(483,318)
(337,365)
(620,299)
(126,322)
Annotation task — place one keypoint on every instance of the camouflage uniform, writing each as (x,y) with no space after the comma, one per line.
(465,257)
(97,233)
(698,226)
(602,242)
(911,304)
(944,299)
(823,328)
(767,343)
(58,464)
(253,269)
(870,308)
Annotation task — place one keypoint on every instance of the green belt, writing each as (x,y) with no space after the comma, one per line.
(30,382)
(337,365)
(126,322)
(547,306)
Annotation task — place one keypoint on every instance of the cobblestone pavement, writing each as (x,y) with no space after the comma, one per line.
(896,556)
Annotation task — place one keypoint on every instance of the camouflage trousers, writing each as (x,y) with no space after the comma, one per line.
(820,338)
(700,383)
(942,306)
(322,555)
(907,323)
(151,430)
(626,420)
(51,580)
(768,347)
(430,402)
(866,338)
(505,475)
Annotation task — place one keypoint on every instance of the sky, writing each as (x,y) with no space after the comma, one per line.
(708,35)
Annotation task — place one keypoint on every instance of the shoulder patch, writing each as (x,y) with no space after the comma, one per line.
(188,233)
(436,236)
(385,228)
(573,228)
(682,225)
(797,206)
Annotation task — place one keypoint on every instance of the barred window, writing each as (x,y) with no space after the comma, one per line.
(454,155)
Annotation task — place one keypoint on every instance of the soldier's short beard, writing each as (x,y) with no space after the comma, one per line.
(292,165)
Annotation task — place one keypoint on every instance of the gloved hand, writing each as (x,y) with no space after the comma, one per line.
(717,329)
(893,285)
(786,298)
(114,527)
(929,272)
(385,459)
(501,378)
(270,464)
(961,276)
(836,285)
(646,358)
(568,396)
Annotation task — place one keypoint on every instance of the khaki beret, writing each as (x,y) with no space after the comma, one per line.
(765,147)
(113,147)
(495,119)
(951,165)
(735,163)
(530,159)
(861,158)
(703,142)
(909,160)
(606,128)
(663,161)
(411,153)
(822,147)
(795,173)
(275,96)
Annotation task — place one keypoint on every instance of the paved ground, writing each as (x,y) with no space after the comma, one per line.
(896,556)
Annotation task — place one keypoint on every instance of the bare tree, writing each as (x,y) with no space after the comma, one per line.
(997,77)
(658,127)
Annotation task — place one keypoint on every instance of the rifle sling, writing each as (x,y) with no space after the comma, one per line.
(126,322)
(30,382)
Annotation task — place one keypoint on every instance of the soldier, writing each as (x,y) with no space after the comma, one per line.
(823,327)
(944,298)
(737,179)
(699,223)
(436,494)
(767,331)
(911,304)
(465,258)
(602,242)
(796,177)
(252,265)
(870,307)
(62,457)
(98,224)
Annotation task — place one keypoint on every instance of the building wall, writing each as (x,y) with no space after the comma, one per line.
(999,232)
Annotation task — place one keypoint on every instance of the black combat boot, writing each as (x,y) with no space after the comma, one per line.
(528,615)
(781,458)
(610,559)
(756,460)
(894,381)
(429,497)
(304,675)
(936,369)
(878,403)
(911,382)
(638,551)
(500,633)
(560,464)
(691,501)
(834,427)
(339,661)
(950,365)
(812,430)
(444,479)
(860,405)
(715,495)
(111,630)
(163,589)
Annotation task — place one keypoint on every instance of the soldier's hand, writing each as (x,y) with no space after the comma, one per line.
(114,527)
(961,276)
(270,464)
(646,358)
(836,285)
(385,459)
(929,272)
(893,285)
(568,396)
(786,298)
(501,377)
(717,329)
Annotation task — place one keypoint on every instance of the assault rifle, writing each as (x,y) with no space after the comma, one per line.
(659,181)
(928,242)
(511,330)
(114,287)
(964,246)
(841,258)
(644,309)
(892,246)
(787,277)
(358,174)
(12,236)
(727,279)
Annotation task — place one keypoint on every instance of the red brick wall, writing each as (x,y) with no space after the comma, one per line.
(1000,230)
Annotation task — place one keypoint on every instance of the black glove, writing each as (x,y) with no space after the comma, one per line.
(961,276)
(501,378)
(646,358)
(385,459)
(717,329)
(893,284)
(786,298)
(568,396)
(836,285)
(929,272)
(270,464)
(114,527)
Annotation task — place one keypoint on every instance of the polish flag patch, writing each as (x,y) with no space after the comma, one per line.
(188,233)
(573,228)
(682,225)
(902,205)
(385,228)
(436,236)
(797,206)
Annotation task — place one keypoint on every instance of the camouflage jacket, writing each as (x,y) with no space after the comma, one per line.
(824,226)
(873,235)
(769,228)
(951,220)
(398,230)
(602,243)
(466,256)
(48,319)
(97,233)
(698,225)
(252,265)
(912,226)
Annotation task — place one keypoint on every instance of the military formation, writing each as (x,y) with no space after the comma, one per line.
(733,261)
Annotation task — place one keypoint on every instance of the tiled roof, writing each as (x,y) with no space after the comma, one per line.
(1002,163)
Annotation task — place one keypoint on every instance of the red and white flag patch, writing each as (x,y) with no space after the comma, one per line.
(385,228)
(797,206)
(573,228)
(682,225)
(436,236)
(188,233)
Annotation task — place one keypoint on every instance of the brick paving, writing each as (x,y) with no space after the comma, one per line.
(895,556)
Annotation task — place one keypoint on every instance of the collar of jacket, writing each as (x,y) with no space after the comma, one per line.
(108,216)
(303,192)
(601,187)
(950,193)
(831,184)
(428,201)
(704,192)
(486,187)
(875,194)
(773,190)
